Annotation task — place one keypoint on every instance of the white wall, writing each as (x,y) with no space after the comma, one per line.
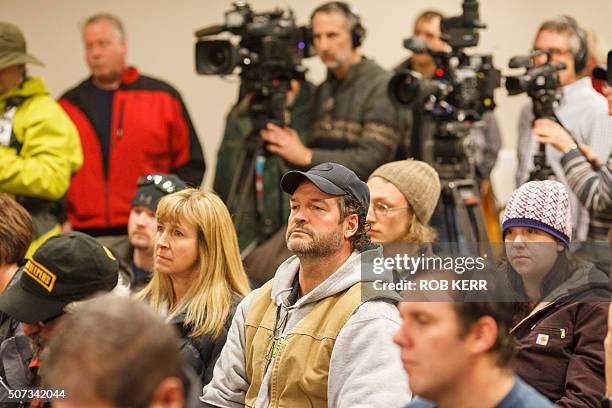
(160,43)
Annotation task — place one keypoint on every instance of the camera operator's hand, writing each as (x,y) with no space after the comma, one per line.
(286,143)
(549,131)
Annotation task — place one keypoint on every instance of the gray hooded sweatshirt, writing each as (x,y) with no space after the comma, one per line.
(365,368)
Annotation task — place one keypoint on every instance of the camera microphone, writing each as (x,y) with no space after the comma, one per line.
(519,62)
(210,30)
(416,45)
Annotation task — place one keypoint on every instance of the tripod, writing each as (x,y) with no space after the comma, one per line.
(463,216)
(541,169)
(266,105)
(447,147)
(543,108)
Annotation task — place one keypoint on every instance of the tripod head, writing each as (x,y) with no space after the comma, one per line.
(269,104)
(541,169)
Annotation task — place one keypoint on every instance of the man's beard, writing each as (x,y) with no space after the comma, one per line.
(332,65)
(140,239)
(320,246)
(142,246)
(343,57)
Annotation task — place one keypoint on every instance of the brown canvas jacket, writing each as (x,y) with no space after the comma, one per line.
(560,343)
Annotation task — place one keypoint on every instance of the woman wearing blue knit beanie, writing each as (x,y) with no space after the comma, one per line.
(560,335)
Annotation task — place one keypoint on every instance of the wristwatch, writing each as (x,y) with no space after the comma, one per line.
(570,148)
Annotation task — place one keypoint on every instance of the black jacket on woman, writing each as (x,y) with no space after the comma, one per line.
(201,352)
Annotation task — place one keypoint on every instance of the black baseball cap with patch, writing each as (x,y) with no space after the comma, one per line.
(152,187)
(330,178)
(64,269)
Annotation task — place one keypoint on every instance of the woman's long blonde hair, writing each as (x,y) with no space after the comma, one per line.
(221,275)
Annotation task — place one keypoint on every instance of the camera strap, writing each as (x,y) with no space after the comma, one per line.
(6,125)
(7,138)
(260,164)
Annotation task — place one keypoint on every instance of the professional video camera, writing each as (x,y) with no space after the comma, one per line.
(460,91)
(450,106)
(542,85)
(269,55)
(462,86)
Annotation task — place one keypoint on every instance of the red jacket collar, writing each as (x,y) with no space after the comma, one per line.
(130,75)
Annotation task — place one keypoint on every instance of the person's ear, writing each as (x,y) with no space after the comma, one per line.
(560,247)
(352,224)
(169,393)
(482,335)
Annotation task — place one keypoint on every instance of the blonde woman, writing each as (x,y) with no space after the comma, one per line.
(198,277)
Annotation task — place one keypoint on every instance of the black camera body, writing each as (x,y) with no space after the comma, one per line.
(269,55)
(541,83)
(460,31)
(460,92)
(271,45)
(462,87)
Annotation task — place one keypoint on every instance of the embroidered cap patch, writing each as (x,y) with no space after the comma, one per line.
(40,274)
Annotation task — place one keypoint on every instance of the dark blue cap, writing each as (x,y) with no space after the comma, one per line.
(330,178)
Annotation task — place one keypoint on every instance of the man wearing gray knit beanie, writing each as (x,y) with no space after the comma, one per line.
(403,196)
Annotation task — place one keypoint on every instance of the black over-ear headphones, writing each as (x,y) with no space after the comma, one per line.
(581,58)
(358,31)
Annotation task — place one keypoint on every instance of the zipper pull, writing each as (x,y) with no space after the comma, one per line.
(562,333)
(276,346)
(120,121)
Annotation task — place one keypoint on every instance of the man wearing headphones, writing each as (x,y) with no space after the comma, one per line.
(577,111)
(351,121)
(354,123)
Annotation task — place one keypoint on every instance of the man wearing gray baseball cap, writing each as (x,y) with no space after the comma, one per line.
(308,337)
(39,144)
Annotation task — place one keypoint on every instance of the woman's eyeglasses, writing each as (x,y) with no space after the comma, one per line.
(383,210)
